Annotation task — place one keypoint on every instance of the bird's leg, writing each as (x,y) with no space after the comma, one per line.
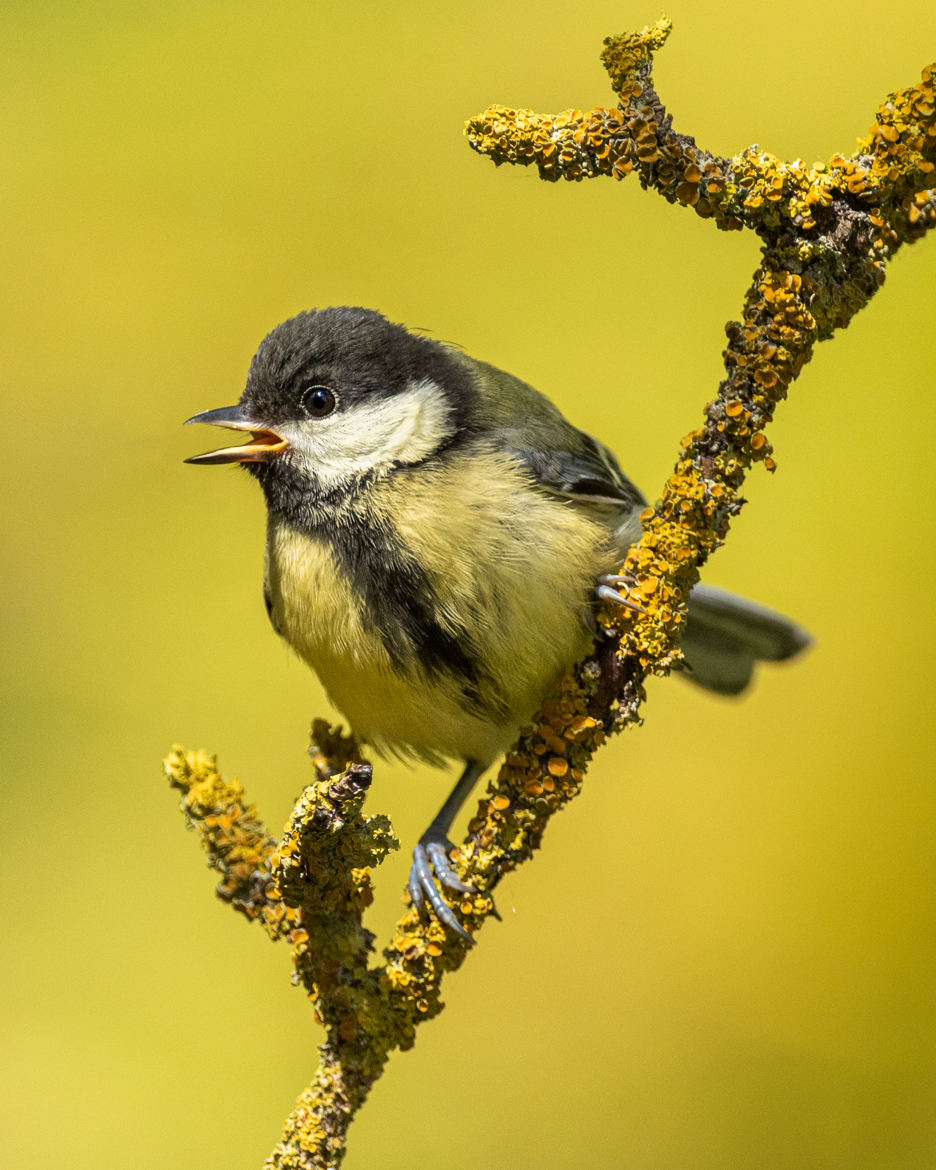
(608,589)
(430,857)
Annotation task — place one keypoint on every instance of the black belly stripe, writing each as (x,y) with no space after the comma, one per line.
(399,605)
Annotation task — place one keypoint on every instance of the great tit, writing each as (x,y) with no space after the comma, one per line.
(437,532)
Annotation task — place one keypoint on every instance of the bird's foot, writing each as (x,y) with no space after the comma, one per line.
(430,864)
(608,588)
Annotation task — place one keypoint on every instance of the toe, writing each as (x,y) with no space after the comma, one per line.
(438,856)
(444,912)
(606,593)
(420,874)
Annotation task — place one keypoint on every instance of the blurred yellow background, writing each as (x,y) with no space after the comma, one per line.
(724,955)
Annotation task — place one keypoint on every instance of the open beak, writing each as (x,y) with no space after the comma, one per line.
(264,443)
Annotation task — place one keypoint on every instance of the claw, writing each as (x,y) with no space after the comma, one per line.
(438,857)
(431,864)
(605,592)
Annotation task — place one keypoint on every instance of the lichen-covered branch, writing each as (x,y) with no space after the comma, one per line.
(828,231)
(890,176)
(312,889)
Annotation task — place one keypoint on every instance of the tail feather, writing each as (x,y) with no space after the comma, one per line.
(726,635)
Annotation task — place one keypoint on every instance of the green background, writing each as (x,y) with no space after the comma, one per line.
(724,955)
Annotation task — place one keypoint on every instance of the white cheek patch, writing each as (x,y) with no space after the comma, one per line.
(402,428)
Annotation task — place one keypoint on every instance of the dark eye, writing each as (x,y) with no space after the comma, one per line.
(318,401)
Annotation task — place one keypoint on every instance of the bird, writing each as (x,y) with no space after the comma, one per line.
(438,536)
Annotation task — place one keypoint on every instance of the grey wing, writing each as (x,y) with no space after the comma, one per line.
(589,475)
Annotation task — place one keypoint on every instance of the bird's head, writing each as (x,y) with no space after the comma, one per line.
(339,394)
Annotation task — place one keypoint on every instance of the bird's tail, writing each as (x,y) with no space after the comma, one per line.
(726,634)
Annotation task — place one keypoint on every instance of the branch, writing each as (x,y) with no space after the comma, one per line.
(827,233)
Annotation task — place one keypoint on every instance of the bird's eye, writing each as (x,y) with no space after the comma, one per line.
(318,401)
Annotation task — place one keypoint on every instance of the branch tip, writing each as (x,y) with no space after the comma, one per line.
(629,56)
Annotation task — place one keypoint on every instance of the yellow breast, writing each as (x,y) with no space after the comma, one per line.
(512,571)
